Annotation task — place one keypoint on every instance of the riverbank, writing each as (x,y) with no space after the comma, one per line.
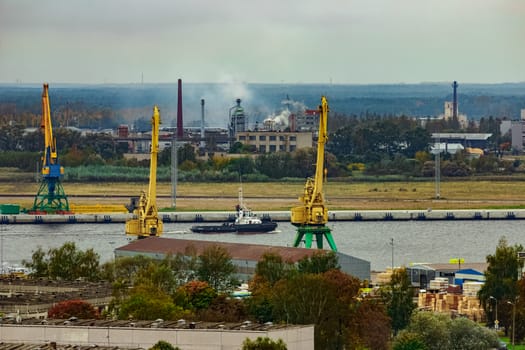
(281,196)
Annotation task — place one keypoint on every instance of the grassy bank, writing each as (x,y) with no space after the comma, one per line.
(283,195)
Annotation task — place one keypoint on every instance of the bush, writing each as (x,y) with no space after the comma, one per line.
(73,308)
(263,344)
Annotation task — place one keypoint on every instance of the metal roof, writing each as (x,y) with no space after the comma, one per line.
(158,323)
(447,267)
(238,251)
(462,136)
(51,346)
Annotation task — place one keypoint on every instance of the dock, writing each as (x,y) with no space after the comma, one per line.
(282,216)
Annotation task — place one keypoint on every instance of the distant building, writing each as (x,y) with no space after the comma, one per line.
(237,119)
(449,115)
(474,140)
(422,274)
(307,121)
(244,256)
(272,141)
(517,131)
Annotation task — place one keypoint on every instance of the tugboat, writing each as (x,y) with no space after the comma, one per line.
(245,222)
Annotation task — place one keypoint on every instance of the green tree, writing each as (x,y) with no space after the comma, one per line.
(319,262)
(216,268)
(69,263)
(38,264)
(501,281)
(271,268)
(149,303)
(263,344)
(440,332)
(163,345)
(397,296)
(66,262)
(408,341)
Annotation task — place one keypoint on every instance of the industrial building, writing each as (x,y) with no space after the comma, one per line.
(272,141)
(244,256)
(421,275)
(466,140)
(517,131)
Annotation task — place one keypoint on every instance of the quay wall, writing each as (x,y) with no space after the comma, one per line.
(221,216)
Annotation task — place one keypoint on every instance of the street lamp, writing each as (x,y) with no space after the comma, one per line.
(496,322)
(392,244)
(513,319)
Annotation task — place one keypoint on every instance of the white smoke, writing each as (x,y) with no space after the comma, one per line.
(280,121)
(277,121)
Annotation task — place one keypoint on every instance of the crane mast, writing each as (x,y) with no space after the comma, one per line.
(50,197)
(311,217)
(146,220)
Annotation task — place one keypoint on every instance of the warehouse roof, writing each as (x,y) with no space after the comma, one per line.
(238,251)
(462,136)
(158,323)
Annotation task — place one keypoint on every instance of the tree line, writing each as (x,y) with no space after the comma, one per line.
(314,291)
(370,145)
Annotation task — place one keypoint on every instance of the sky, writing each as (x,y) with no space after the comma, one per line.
(270,41)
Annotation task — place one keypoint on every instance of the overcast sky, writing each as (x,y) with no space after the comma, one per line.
(269,41)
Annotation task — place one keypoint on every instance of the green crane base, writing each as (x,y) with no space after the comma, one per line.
(51,198)
(307,234)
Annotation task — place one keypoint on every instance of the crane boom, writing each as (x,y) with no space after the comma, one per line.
(312,216)
(146,220)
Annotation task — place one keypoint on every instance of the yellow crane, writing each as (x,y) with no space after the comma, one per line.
(312,216)
(146,220)
(50,198)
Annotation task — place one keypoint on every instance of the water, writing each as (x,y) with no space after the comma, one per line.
(414,241)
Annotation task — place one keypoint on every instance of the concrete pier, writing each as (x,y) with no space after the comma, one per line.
(221,216)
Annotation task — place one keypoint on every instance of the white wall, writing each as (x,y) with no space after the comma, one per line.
(295,337)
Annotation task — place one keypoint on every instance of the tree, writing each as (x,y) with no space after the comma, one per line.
(271,268)
(224,309)
(440,332)
(397,296)
(67,263)
(216,268)
(408,341)
(325,300)
(319,262)
(73,308)
(501,281)
(197,294)
(371,324)
(263,344)
(163,345)
(149,303)
(38,264)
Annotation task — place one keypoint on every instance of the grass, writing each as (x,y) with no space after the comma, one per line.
(509,344)
(284,195)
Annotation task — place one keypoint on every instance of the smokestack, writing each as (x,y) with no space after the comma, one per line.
(202,123)
(455,101)
(179,112)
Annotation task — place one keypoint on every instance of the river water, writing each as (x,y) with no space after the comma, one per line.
(414,241)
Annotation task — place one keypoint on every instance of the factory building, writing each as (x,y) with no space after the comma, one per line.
(272,141)
(472,140)
(517,130)
(244,256)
